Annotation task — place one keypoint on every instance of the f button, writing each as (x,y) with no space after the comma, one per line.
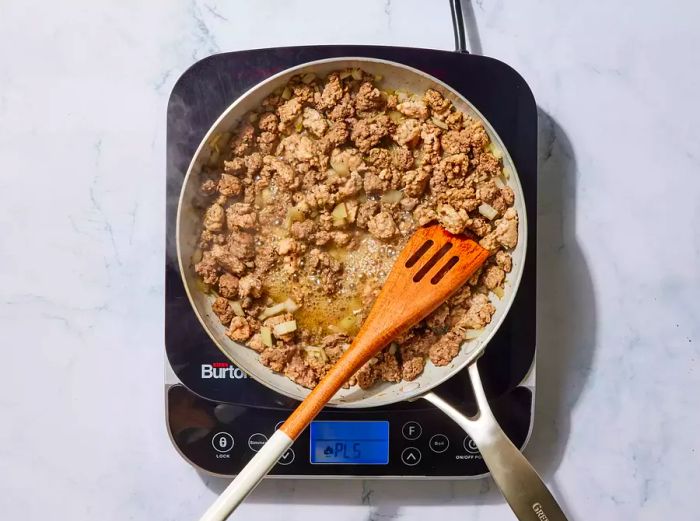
(411,430)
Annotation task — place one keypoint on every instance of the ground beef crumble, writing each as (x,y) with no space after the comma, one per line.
(319,190)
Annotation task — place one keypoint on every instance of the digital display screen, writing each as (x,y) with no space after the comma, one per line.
(350,443)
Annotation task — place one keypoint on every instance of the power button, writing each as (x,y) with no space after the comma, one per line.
(470,446)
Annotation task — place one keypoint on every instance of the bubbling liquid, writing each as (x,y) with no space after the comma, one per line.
(364,269)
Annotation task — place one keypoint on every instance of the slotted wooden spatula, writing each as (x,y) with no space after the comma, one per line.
(433,265)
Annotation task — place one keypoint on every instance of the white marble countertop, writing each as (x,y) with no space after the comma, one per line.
(83,92)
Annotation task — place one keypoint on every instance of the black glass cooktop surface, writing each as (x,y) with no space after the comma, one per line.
(217,416)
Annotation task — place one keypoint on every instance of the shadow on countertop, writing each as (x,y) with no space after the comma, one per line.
(566,306)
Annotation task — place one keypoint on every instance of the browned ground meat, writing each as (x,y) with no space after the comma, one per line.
(368,132)
(239,329)
(228,286)
(319,191)
(223,310)
(382,226)
(446,348)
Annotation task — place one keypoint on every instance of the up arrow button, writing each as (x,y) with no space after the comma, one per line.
(410,456)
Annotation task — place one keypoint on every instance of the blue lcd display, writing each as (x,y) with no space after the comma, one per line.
(350,443)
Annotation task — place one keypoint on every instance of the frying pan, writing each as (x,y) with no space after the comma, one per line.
(520,484)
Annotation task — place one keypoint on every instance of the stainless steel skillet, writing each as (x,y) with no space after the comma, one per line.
(519,482)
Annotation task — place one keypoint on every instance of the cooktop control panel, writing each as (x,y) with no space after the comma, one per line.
(222,438)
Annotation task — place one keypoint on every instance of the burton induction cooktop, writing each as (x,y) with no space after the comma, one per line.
(217,417)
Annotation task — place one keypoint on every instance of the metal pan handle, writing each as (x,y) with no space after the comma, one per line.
(519,483)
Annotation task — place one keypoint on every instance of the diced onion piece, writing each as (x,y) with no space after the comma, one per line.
(439,123)
(471,334)
(392,196)
(266,195)
(339,168)
(237,308)
(401,96)
(298,124)
(272,311)
(498,291)
(497,152)
(339,254)
(339,163)
(340,211)
(294,214)
(506,173)
(215,139)
(259,201)
(279,232)
(339,223)
(290,305)
(345,74)
(214,156)
(348,324)
(266,336)
(396,117)
(223,140)
(316,352)
(284,328)
(378,77)
(488,211)
(308,78)
(392,348)
(356,74)
(287,93)
(203,286)
(499,182)
(197,256)
(352,211)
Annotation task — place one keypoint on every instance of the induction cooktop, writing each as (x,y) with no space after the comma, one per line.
(218,417)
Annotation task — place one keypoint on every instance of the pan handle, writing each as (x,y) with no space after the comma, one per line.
(519,483)
(249,477)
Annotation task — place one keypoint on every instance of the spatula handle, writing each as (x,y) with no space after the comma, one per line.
(519,483)
(244,483)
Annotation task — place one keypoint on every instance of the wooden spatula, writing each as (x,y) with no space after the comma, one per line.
(433,265)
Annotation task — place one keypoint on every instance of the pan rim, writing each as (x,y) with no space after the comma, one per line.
(483,341)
